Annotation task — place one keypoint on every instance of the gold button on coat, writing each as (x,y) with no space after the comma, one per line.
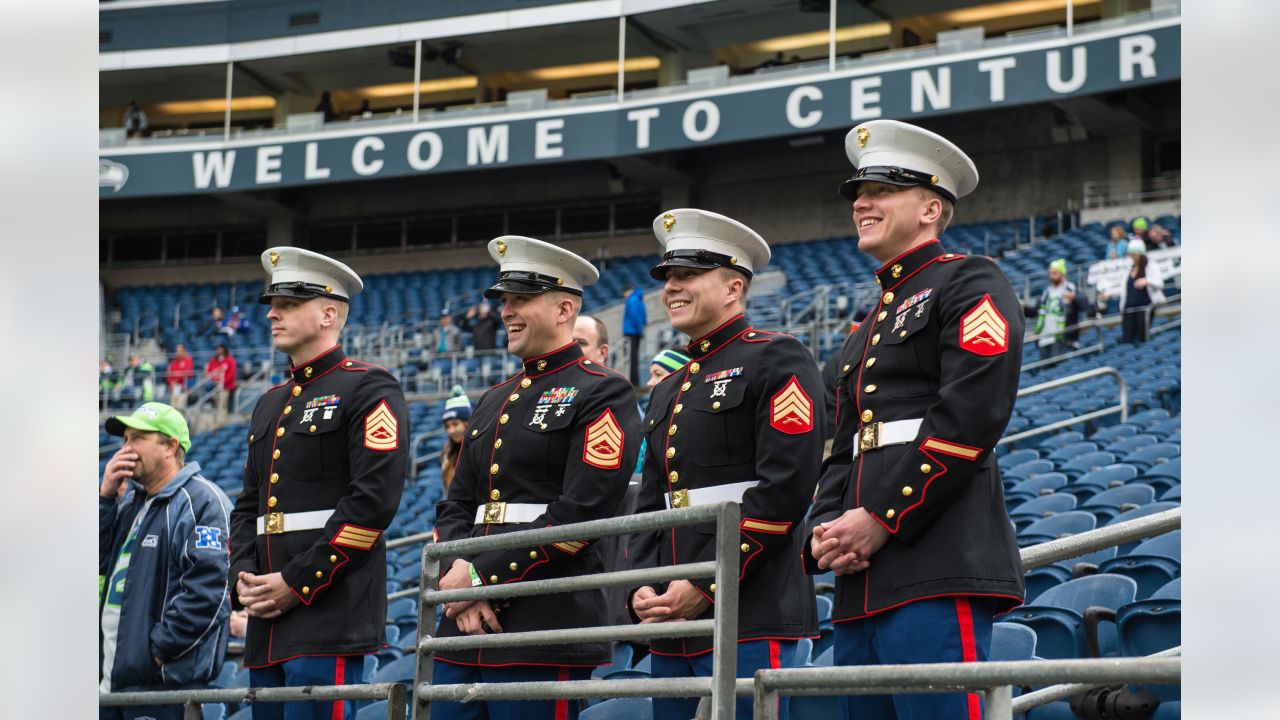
(307,371)
(319,574)
(542,365)
(671,452)
(275,478)
(503,420)
(288,409)
(494,495)
(845,368)
(275,455)
(746,547)
(679,407)
(869,389)
(685,387)
(514,567)
(867,415)
(514,397)
(871,362)
(890,513)
(906,491)
(493,469)
(333,558)
(896,270)
(694,367)
(526,383)
(673,476)
(533,554)
(493,579)
(306,590)
(704,345)
(497,443)
(926,468)
(888,297)
(883,314)
(313,428)
(715,405)
(875,339)
(297,391)
(279,432)
(474,432)
(713,587)
(671,430)
(271,501)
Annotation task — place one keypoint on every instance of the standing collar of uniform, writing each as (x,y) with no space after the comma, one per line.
(905,265)
(185,473)
(553,361)
(326,361)
(715,339)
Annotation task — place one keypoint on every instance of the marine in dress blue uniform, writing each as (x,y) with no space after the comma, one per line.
(738,422)
(910,508)
(327,453)
(550,446)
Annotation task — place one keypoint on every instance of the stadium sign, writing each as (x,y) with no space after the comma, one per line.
(985,79)
(1109,276)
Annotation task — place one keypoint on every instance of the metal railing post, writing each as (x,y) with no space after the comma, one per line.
(192,711)
(424,666)
(999,704)
(725,639)
(766,701)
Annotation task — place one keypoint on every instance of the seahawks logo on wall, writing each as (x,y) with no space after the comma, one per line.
(112,174)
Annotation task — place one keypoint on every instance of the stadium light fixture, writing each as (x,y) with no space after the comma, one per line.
(592,69)
(783,43)
(465,82)
(214,105)
(996,11)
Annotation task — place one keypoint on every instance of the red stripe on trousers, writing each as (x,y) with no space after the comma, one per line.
(775,662)
(969,650)
(339,672)
(562,706)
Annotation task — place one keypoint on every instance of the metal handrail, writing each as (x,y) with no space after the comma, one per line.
(993,679)
(393,693)
(1100,539)
(1044,696)
(1122,408)
(723,629)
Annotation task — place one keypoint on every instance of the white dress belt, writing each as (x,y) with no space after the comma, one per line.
(497,513)
(291,522)
(731,492)
(879,434)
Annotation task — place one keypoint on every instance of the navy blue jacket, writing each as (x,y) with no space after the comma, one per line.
(633,314)
(175,604)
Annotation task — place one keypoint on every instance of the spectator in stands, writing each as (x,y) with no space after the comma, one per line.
(483,326)
(634,319)
(1059,307)
(365,111)
(593,336)
(236,323)
(213,325)
(1118,245)
(1139,228)
(135,121)
(326,106)
(181,373)
(1159,237)
(162,532)
(137,382)
(1143,287)
(664,363)
(457,413)
(107,379)
(448,336)
(221,368)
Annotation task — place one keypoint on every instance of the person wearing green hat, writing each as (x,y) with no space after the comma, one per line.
(1060,306)
(457,412)
(665,363)
(162,563)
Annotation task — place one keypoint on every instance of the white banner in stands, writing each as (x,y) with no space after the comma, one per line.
(1108,275)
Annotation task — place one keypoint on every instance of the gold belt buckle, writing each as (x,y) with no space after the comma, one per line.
(679,498)
(495,513)
(869,437)
(275,523)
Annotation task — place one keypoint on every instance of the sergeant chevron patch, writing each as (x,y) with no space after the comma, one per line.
(791,410)
(983,330)
(603,446)
(381,429)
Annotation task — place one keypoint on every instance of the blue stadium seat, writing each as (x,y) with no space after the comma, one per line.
(1056,526)
(1114,432)
(1152,564)
(1174,493)
(213,711)
(1022,471)
(1060,440)
(1085,463)
(400,670)
(1126,445)
(1145,458)
(1041,507)
(1152,625)
(373,711)
(1109,503)
(1011,641)
(1149,509)
(1165,475)
(1075,449)
(1015,457)
(1024,490)
(1058,615)
(1104,478)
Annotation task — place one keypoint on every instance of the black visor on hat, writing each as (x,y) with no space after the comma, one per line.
(298,290)
(520,282)
(889,175)
(698,259)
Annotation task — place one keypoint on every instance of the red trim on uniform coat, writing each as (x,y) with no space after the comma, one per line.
(968,649)
(905,253)
(548,371)
(870,613)
(521,664)
(740,640)
(339,670)
(270,662)
(562,706)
